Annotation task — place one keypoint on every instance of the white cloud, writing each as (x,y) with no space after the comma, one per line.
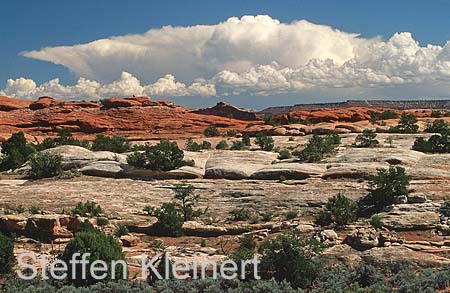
(126,86)
(254,55)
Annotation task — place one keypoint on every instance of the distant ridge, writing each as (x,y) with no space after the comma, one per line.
(391,104)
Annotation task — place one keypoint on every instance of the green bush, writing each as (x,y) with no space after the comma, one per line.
(192,146)
(45,165)
(436,114)
(231,132)
(284,154)
(437,143)
(64,137)
(290,215)
(339,210)
(246,140)
(317,148)
(7,258)
(438,126)
(237,145)
(15,152)
(241,214)
(211,131)
(222,145)
(269,119)
(376,222)
(116,144)
(186,200)
(101,247)
(121,231)
(164,156)
(407,124)
(293,258)
(376,116)
(367,139)
(87,209)
(246,249)
(386,185)
(170,220)
(265,142)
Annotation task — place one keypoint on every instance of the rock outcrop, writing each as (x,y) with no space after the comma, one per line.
(229,111)
(138,118)
(10,104)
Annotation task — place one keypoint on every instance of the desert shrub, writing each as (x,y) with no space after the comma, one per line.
(222,285)
(121,231)
(385,186)
(367,139)
(291,257)
(267,216)
(64,137)
(7,258)
(438,126)
(290,215)
(101,247)
(15,152)
(436,114)
(137,159)
(116,144)
(102,221)
(186,200)
(375,116)
(407,124)
(164,156)
(87,209)
(211,131)
(317,148)
(376,222)
(339,210)
(246,140)
(284,154)
(231,132)
(170,220)
(45,165)
(196,147)
(246,249)
(237,145)
(265,142)
(241,214)
(34,210)
(269,119)
(206,145)
(222,145)
(438,143)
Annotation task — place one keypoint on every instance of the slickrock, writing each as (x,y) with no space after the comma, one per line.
(10,104)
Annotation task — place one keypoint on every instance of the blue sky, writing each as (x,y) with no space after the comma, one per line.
(32,25)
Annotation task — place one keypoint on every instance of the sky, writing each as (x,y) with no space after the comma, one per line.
(253,54)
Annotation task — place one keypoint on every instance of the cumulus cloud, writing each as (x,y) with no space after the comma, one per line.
(255,55)
(128,85)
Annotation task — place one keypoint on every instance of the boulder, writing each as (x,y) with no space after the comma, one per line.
(193,228)
(42,226)
(352,128)
(188,172)
(236,164)
(363,239)
(410,217)
(352,170)
(102,169)
(44,102)
(294,171)
(417,198)
(129,240)
(13,224)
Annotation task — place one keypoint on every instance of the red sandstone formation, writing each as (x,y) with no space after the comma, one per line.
(9,104)
(142,119)
(226,110)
